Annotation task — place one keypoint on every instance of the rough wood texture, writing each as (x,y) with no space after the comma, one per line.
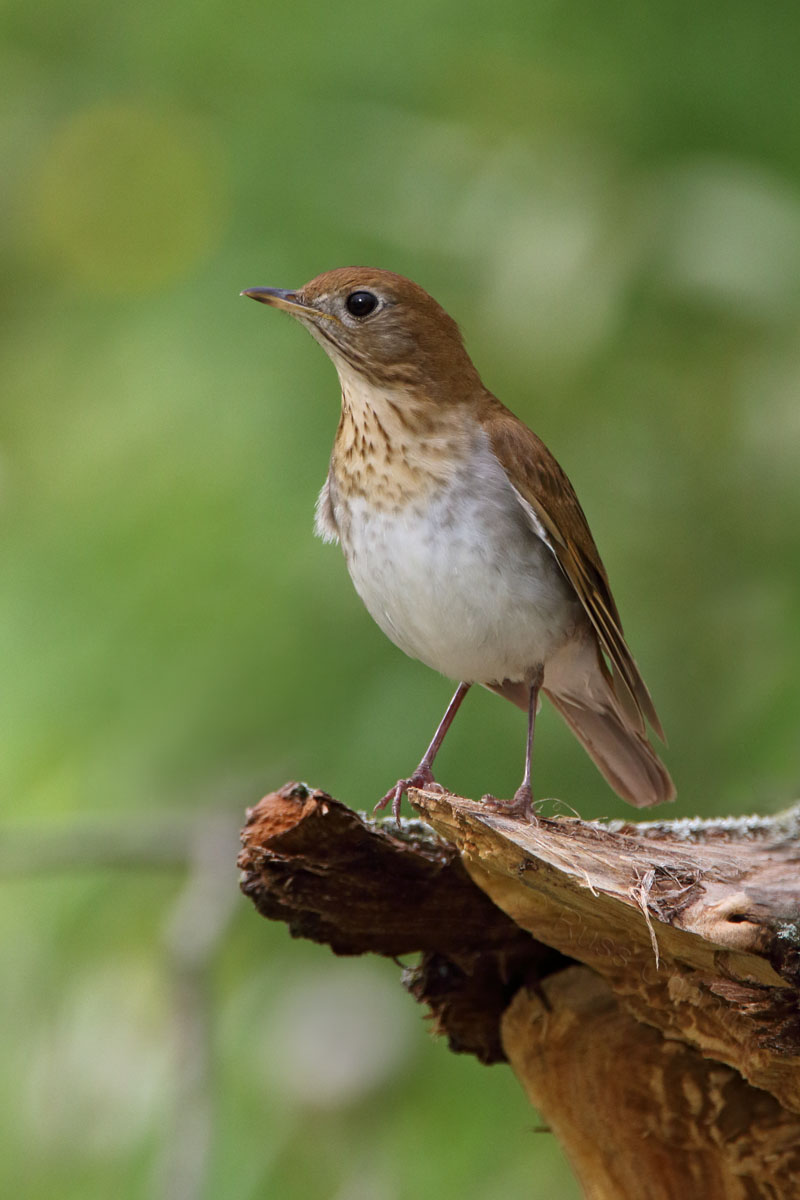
(694,925)
(689,938)
(668,1124)
(362,886)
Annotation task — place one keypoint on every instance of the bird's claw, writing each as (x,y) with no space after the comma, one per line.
(422,778)
(521,808)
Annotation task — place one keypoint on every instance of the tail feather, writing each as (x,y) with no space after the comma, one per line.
(579,685)
(623,755)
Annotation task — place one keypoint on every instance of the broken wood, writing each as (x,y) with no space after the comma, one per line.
(393,889)
(688,940)
(640,1114)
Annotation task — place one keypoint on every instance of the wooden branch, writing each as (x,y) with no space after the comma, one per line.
(694,925)
(689,938)
(640,1114)
(361,886)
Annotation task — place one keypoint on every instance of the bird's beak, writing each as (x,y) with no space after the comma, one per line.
(279,298)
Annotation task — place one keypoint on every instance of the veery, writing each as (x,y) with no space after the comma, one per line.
(462,534)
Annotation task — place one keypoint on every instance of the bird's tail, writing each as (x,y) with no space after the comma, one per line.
(579,685)
(625,757)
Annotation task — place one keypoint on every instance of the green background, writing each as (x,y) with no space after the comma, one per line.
(607,197)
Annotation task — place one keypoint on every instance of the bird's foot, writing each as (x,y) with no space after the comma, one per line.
(422,778)
(521,808)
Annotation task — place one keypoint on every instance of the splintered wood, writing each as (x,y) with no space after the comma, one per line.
(720,900)
(643,980)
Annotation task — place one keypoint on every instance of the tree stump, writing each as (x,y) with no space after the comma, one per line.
(642,980)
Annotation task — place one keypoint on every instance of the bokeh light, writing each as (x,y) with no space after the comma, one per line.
(126,199)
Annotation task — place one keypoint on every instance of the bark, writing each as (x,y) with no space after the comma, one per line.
(569,947)
(640,1114)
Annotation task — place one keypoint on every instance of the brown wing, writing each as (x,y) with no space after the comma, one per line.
(558,518)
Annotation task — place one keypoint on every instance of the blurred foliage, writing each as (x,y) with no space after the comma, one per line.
(608,200)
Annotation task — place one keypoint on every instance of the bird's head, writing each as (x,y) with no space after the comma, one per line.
(381,326)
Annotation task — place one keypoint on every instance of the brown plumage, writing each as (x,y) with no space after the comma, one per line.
(543,484)
(463,535)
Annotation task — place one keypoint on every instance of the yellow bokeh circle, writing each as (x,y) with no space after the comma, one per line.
(126,198)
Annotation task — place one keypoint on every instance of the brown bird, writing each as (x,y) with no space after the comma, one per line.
(462,534)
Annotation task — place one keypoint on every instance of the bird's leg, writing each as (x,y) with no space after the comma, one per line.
(522,804)
(423,776)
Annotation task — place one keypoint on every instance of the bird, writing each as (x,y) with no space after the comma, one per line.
(464,537)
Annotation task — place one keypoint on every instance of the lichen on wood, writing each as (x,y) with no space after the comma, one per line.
(568,947)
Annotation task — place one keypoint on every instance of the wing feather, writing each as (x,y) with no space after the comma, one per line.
(555,514)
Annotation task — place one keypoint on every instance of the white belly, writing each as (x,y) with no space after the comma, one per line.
(464,583)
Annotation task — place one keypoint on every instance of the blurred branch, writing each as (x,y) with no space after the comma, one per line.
(688,936)
(153,840)
(195,927)
(194,931)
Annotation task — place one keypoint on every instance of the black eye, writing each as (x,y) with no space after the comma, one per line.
(361,304)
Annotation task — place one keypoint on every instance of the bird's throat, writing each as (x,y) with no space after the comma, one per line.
(394,446)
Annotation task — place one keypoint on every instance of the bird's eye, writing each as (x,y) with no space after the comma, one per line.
(361,304)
